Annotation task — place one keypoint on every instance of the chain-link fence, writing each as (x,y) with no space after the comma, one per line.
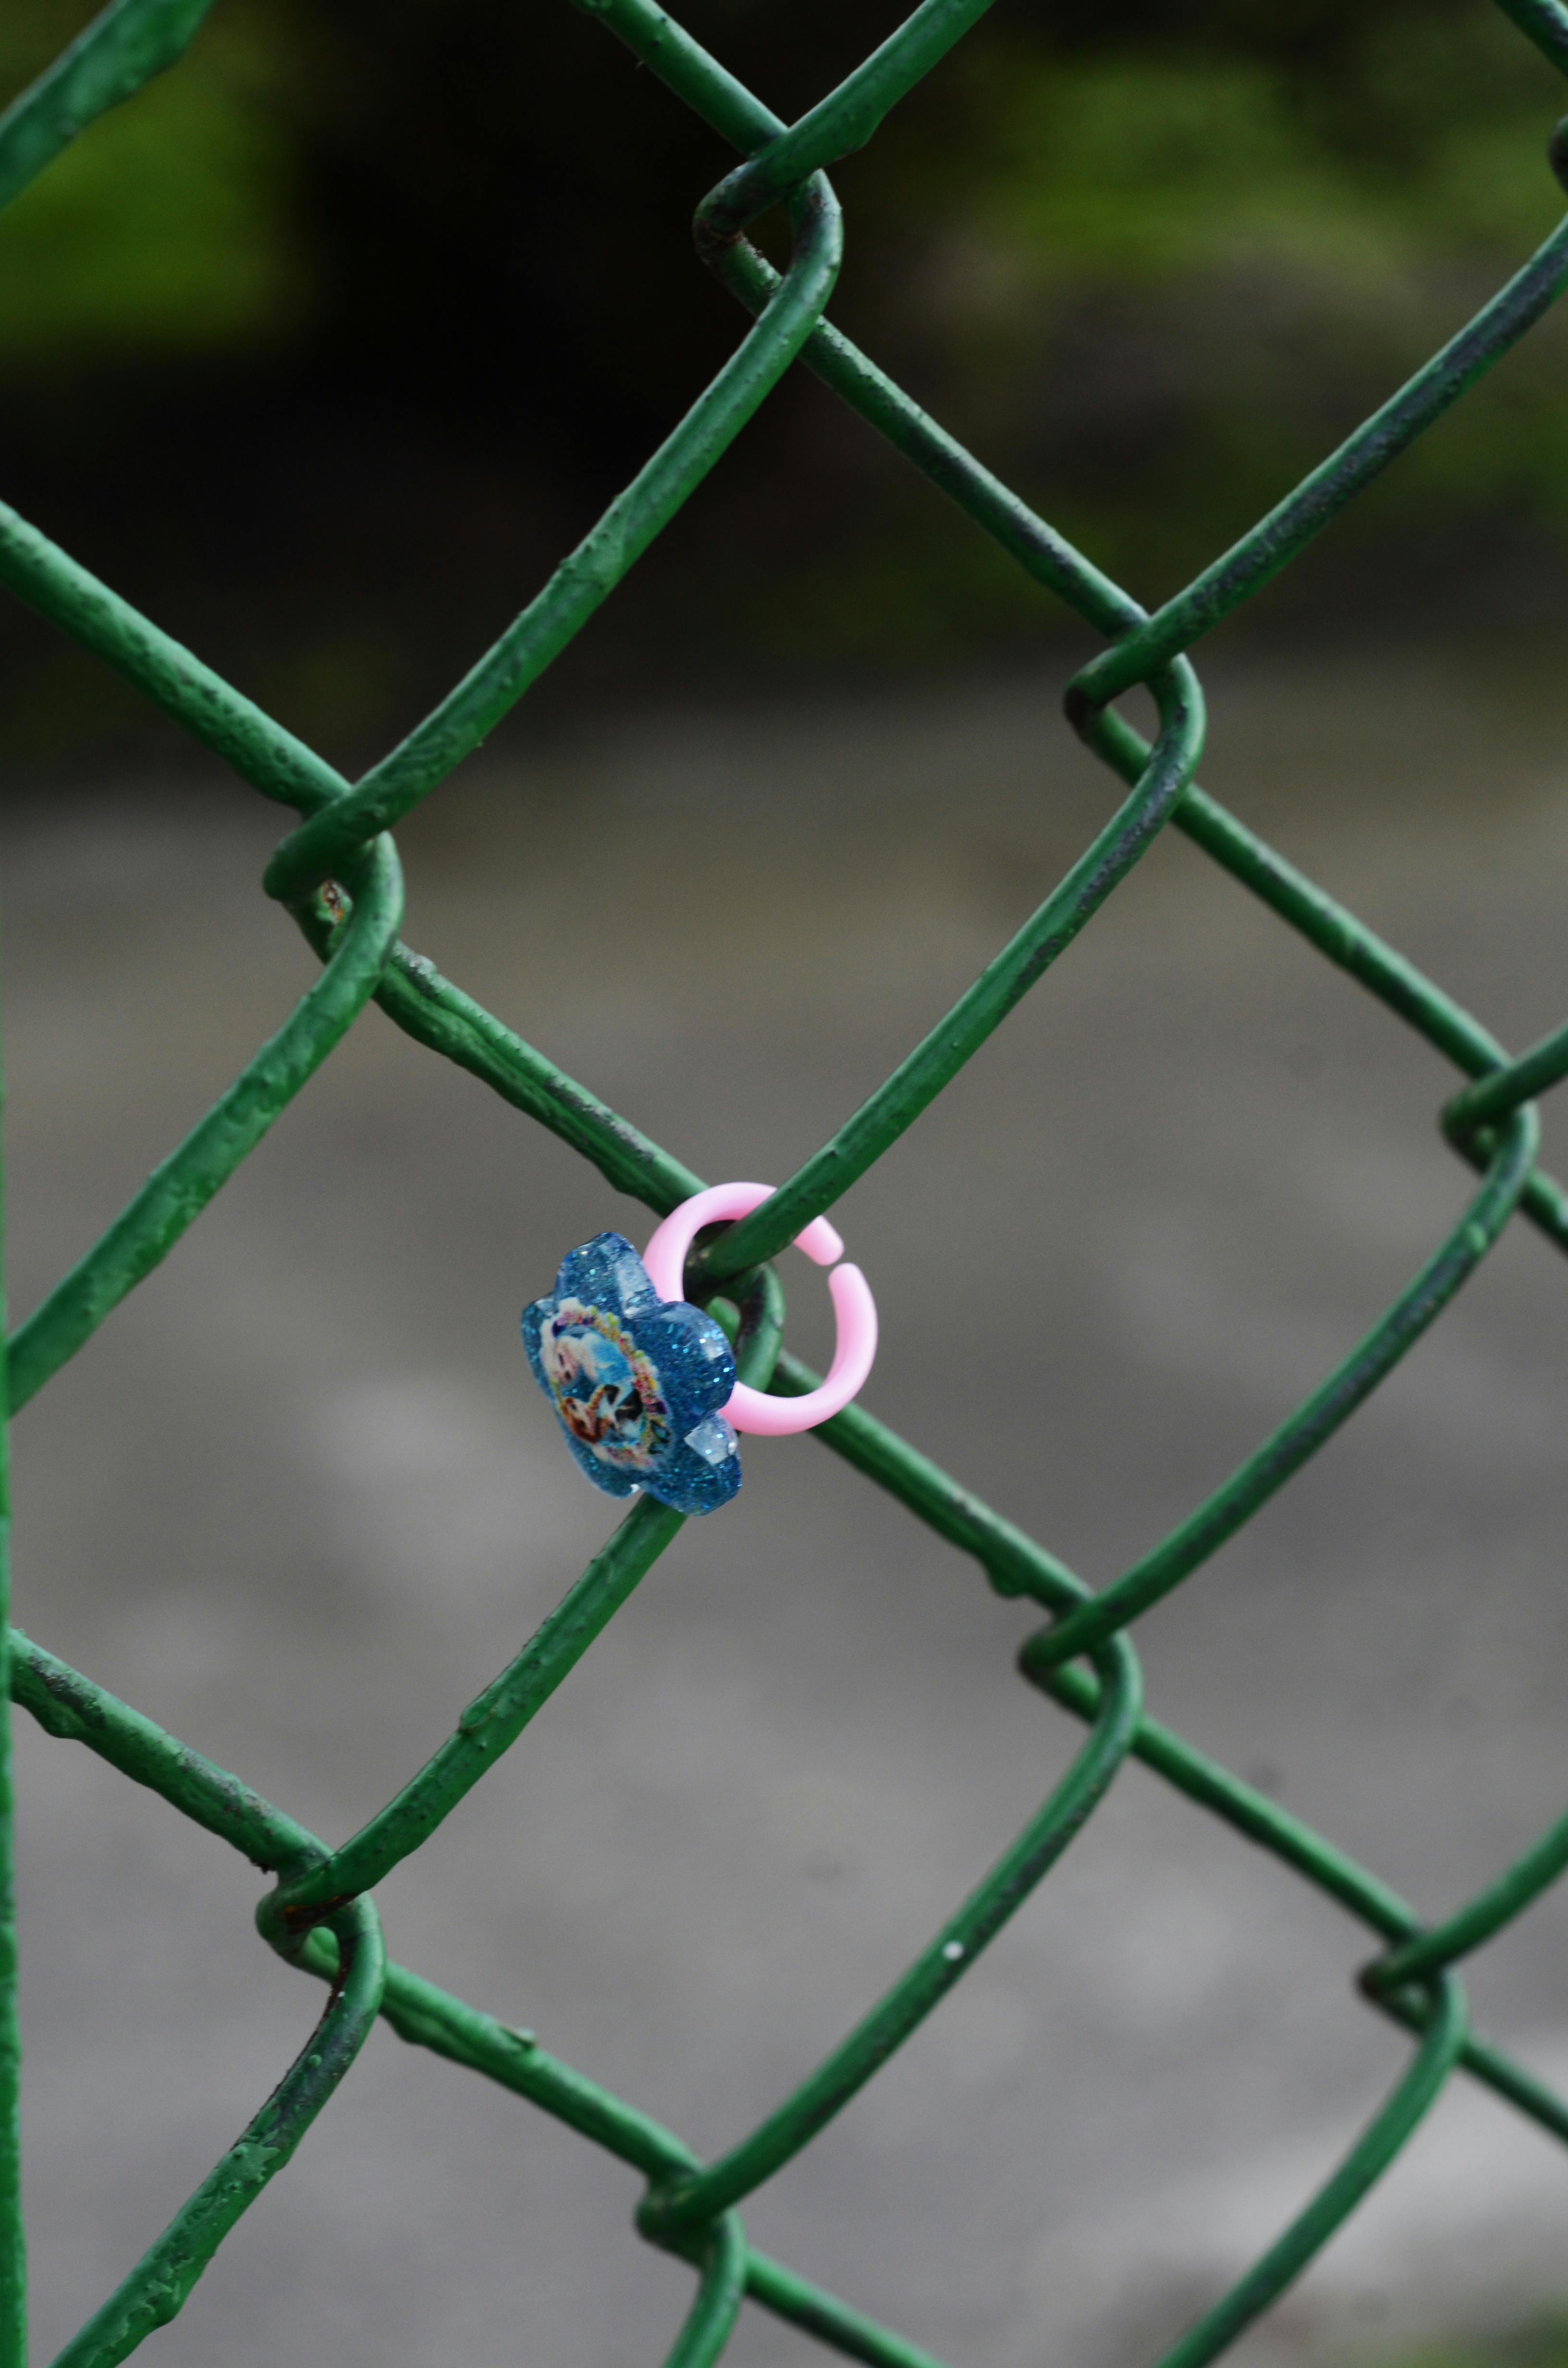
(338,872)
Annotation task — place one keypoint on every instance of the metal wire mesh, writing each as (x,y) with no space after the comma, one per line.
(337,874)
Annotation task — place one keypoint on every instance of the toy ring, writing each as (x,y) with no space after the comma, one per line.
(853,1306)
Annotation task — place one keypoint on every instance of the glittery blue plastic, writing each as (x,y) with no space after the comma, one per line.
(636,1381)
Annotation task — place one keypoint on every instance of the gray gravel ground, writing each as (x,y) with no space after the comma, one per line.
(299,1499)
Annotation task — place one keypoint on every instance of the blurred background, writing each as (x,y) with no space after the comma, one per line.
(323,350)
(332,342)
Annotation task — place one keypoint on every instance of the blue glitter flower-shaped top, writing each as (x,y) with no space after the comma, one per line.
(636,1381)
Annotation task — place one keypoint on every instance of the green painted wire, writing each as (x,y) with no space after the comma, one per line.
(179,1188)
(1318,499)
(800,2304)
(1520,1080)
(216,715)
(1016,1566)
(1352,1382)
(1546,22)
(585,580)
(1504,1898)
(121,49)
(841,122)
(683,2204)
(1379,2142)
(716,2306)
(71,1707)
(13,2231)
(412,991)
(1000,987)
(428,1007)
(845,119)
(159,2286)
(488,1727)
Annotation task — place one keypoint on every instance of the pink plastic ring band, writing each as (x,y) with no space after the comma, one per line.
(853,1306)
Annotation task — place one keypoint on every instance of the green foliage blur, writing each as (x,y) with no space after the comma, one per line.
(422,268)
(170,229)
(1163,276)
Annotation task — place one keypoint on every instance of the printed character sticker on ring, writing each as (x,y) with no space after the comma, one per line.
(643,1383)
